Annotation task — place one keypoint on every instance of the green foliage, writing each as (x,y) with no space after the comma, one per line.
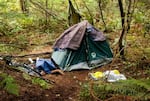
(139,16)
(36,18)
(6,49)
(41,82)
(22,39)
(137,89)
(26,76)
(26,21)
(4,28)
(8,83)
(37,81)
(141,13)
(85,93)
(146,28)
(147,52)
(114,23)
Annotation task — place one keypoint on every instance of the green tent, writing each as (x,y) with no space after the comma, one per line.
(81,47)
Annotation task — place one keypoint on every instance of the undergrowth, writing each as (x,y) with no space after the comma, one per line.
(37,81)
(41,83)
(135,89)
(8,83)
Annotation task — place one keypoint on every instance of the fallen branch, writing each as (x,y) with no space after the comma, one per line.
(14,45)
(27,55)
(20,46)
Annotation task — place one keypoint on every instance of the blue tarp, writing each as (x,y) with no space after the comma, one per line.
(45,64)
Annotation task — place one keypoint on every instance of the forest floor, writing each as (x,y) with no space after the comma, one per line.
(67,87)
(64,87)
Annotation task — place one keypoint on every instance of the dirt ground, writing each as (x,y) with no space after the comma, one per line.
(65,87)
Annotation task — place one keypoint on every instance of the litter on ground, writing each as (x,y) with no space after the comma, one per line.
(110,76)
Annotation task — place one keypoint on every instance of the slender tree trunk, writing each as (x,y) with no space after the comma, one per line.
(121,46)
(91,16)
(46,14)
(122,14)
(125,24)
(130,13)
(23,5)
(101,12)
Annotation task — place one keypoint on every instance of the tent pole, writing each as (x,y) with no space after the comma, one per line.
(87,47)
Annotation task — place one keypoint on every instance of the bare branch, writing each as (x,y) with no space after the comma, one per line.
(46,10)
(88,11)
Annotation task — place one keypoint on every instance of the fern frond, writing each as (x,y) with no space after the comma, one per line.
(136,89)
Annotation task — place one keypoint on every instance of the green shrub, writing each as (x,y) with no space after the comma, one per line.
(8,83)
(136,89)
(41,82)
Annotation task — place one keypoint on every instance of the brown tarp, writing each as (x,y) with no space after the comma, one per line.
(72,37)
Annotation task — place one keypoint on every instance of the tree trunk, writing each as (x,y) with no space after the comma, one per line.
(23,5)
(91,16)
(122,14)
(130,13)
(121,46)
(125,24)
(101,12)
(46,14)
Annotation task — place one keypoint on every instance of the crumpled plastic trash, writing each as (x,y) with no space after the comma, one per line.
(96,75)
(114,75)
(110,76)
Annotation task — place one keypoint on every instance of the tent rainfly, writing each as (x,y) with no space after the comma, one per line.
(81,47)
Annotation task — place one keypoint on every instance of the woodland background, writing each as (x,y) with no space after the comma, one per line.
(32,26)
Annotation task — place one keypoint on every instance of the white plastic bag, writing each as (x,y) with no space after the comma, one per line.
(114,75)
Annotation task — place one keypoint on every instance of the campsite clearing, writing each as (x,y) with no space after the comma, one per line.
(65,88)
